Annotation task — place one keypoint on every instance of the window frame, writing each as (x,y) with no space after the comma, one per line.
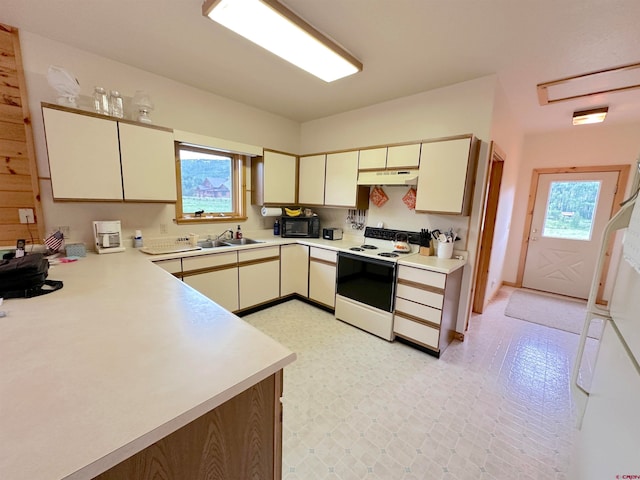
(238,181)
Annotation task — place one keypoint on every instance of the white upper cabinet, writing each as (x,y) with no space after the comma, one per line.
(373,158)
(84,156)
(91,158)
(148,163)
(341,189)
(404,156)
(273,180)
(311,181)
(446,176)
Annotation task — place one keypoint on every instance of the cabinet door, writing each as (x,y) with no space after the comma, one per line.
(221,286)
(372,158)
(148,163)
(446,177)
(258,275)
(84,156)
(279,178)
(294,270)
(311,180)
(401,156)
(322,276)
(341,179)
(215,276)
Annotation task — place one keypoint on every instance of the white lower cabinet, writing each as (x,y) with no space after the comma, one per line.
(215,276)
(294,270)
(322,276)
(173,265)
(426,307)
(258,275)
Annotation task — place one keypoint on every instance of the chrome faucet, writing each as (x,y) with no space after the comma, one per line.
(224,233)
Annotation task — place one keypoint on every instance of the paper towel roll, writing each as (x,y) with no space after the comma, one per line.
(271,212)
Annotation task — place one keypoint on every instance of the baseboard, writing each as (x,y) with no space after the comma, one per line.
(278,301)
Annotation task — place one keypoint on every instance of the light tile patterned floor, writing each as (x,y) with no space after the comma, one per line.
(497,406)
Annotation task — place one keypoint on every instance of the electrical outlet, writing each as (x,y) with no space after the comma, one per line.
(65,230)
(26,215)
(163,229)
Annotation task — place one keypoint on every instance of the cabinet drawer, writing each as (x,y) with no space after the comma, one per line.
(416,332)
(258,253)
(172,266)
(422,312)
(209,261)
(426,277)
(322,254)
(420,295)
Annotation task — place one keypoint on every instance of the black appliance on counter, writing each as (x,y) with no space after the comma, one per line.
(300,227)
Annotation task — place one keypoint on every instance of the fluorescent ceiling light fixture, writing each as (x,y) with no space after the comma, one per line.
(595,115)
(272,26)
(609,80)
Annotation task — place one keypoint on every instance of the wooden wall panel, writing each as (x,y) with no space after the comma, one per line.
(19,186)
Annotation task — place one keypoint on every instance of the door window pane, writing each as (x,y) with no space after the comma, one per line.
(570,210)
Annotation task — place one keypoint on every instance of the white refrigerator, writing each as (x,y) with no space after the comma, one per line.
(608,441)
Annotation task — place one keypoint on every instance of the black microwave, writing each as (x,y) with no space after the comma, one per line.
(300,227)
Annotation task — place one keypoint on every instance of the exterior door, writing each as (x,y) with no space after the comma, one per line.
(569,214)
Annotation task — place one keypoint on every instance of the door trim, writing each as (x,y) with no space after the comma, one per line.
(623,176)
(485,241)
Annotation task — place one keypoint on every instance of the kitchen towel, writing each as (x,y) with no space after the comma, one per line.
(271,212)
(631,245)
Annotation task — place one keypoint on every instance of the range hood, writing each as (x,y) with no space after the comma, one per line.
(388,177)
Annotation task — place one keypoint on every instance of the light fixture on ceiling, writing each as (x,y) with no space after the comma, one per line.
(274,27)
(595,115)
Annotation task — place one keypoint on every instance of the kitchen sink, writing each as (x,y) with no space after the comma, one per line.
(212,244)
(240,241)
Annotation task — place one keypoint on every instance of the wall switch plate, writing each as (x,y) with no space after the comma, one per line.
(26,215)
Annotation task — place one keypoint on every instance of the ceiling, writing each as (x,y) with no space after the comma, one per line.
(406,46)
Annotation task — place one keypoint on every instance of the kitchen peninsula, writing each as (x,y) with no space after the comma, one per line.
(127,361)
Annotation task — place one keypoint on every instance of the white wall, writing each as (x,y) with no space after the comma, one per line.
(507,135)
(177,106)
(457,109)
(584,145)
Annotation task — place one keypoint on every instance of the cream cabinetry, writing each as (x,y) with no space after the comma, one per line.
(84,156)
(446,176)
(426,307)
(273,179)
(258,275)
(91,157)
(373,158)
(311,180)
(322,276)
(341,189)
(173,265)
(215,276)
(148,163)
(392,157)
(294,270)
(403,156)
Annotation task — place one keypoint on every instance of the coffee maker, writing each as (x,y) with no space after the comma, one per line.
(108,236)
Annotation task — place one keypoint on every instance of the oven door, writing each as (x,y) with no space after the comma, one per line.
(367,280)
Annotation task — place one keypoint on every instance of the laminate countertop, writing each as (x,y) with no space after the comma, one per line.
(119,358)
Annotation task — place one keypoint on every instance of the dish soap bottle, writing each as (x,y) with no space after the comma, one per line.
(238,233)
(276,228)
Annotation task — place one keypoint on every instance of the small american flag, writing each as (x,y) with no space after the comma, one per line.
(54,241)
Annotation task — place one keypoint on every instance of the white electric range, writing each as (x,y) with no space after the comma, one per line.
(366,280)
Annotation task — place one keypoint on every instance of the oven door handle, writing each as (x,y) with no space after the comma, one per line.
(360,258)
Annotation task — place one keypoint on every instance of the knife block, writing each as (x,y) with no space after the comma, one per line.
(427,251)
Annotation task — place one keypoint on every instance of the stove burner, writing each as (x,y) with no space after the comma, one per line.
(388,254)
(357,249)
(369,247)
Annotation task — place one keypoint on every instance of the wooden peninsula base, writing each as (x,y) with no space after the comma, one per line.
(242,438)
